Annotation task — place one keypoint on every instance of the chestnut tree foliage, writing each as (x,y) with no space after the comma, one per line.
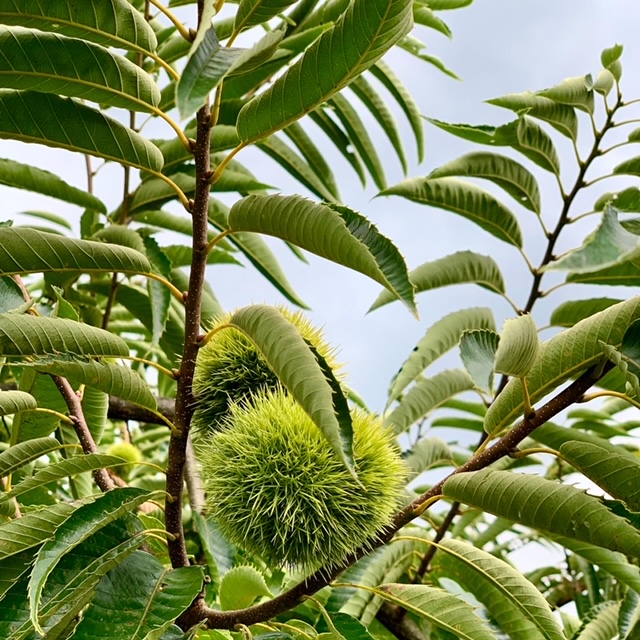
(106,528)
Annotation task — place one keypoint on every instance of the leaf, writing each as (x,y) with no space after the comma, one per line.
(616,474)
(609,245)
(478,352)
(330,231)
(601,624)
(573,91)
(440,608)
(426,454)
(544,505)
(569,313)
(82,523)
(15,402)
(562,357)
(95,406)
(439,338)
(11,296)
(627,358)
(561,117)
(253,12)
(63,469)
(518,346)
(604,82)
(240,587)
(515,179)
(426,395)
(465,199)
(218,551)
(504,587)
(18,455)
(113,23)
(140,595)
(63,123)
(23,176)
(423,15)
(28,335)
(30,251)
(457,268)
(626,274)
(52,63)
(360,37)
(627,200)
(291,359)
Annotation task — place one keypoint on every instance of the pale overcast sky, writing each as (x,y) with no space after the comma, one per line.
(498,47)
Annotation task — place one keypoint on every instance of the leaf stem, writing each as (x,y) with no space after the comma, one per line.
(150,363)
(52,412)
(174,125)
(177,294)
(214,241)
(219,170)
(612,394)
(182,30)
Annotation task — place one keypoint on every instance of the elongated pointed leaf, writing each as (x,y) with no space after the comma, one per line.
(252,12)
(561,117)
(626,274)
(457,268)
(507,589)
(110,22)
(575,92)
(562,357)
(545,505)
(478,354)
(63,469)
(51,63)
(569,313)
(241,586)
(626,200)
(426,395)
(518,346)
(439,338)
(427,454)
(22,453)
(602,622)
(15,402)
(515,179)
(609,245)
(28,335)
(83,522)
(364,32)
(440,608)
(30,251)
(465,199)
(23,176)
(140,595)
(48,119)
(330,231)
(290,357)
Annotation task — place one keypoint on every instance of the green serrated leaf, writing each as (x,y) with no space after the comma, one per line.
(571,312)
(253,12)
(465,199)
(14,402)
(64,123)
(478,354)
(426,395)
(627,357)
(241,586)
(518,346)
(515,179)
(52,63)
(95,406)
(290,357)
(457,268)
(439,338)
(331,231)
(426,454)
(362,34)
(22,453)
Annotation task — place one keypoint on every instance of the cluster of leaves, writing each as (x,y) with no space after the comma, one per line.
(104,328)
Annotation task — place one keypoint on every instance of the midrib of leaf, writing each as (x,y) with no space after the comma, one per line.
(147,608)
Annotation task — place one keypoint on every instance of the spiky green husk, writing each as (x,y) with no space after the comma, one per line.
(278,490)
(129,452)
(230,369)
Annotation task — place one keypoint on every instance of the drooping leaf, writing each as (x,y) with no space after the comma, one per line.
(331,231)
(48,119)
(30,251)
(501,587)
(290,357)
(95,406)
(426,395)
(439,338)
(465,199)
(423,15)
(15,402)
(142,595)
(28,335)
(110,22)
(575,92)
(629,616)
(22,453)
(569,313)
(24,176)
(362,34)
(544,505)
(241,586)
(457,268)
(440,608)
(609,245)
(562,357)
(515,179)
(478,354)
(560,116)
(518,346)
(52,63)
(81,524)
(11,296)
(417,48)
(218,551)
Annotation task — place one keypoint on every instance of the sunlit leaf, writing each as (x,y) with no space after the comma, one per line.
(575,92)
(569,313)
(15,402)
(422,14)
(627,357)
(22,453)
(478,354)
(518,346)
(241,586)
(626,200)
